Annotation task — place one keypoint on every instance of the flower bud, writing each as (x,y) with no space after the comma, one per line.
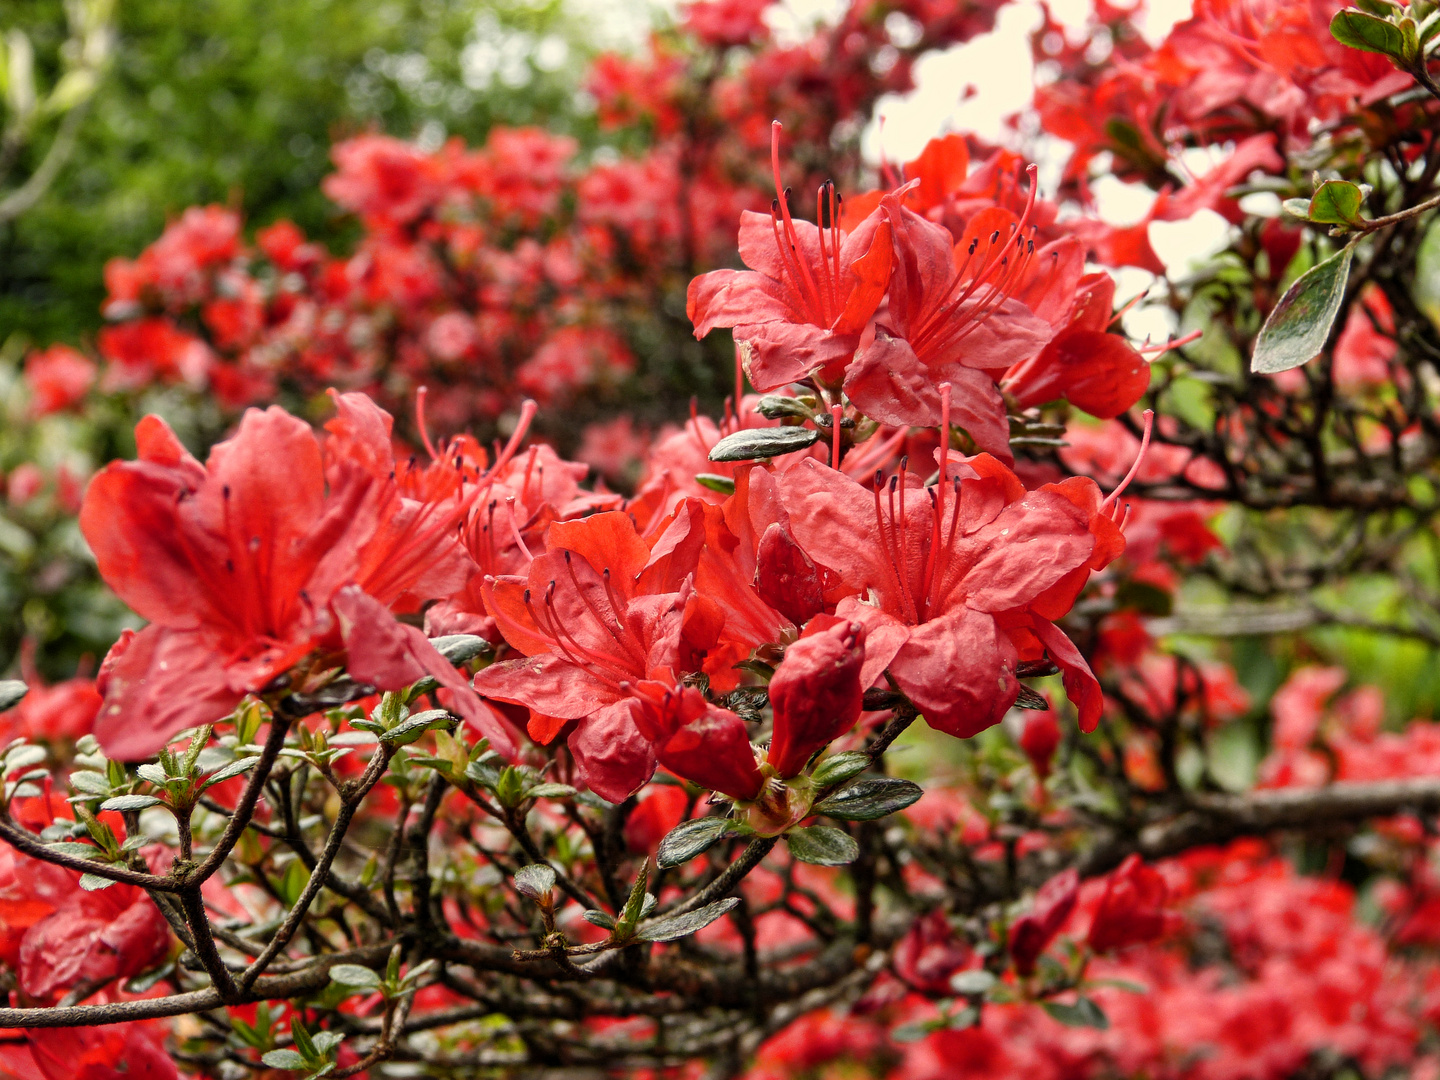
(786,578)
(1031,934)
(816,693)
(707,745)
(1132,911)
(1039,740)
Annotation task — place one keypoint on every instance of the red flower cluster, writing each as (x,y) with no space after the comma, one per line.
(982,309)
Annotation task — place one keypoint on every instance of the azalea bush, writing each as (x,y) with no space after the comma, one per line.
(961,687)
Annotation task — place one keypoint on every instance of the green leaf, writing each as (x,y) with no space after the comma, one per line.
(870,800)
(85,782)
(1336,202)
(1299,208)
(458,648)
(407,731)
(1369,33)
(22,757)
(688,839)
(510,788)
(141,983)
(535,881)
(283,1059)
(678,926)
(71,847)
(1299,325)
(1120,984)
(634,907)
(975,981)
(763,443)
(303,1042)
(152,773)
(124,803)
(293,882)
(235,768)
(779,406)
(94,882)
(822,845)
(11,691)
(1084,1013)
(550,791)
(355,975)
(725,485)
(599,918)
(841,767)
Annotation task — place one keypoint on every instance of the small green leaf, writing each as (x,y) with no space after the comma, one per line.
(599,918)
(975,981)
(235,768)
(841,767)
(822,845)
(763,443)
(22,757)
(725,485)
(124,803)
(1299,325)
(69,847)
(535,881)
(1336,202)
(407,731)
(870,800)
(303,1042)
(152,773)
(779,406)
(85,782)
(458,648)
(355,975)
(688,839)
(678,926)
(141,983)
(510,787)
(283,1059)
(634,908)
(1369,33)
(292,883)
(550,791)
(1299,208)
(11,691)
(1084,1013)
(94,882)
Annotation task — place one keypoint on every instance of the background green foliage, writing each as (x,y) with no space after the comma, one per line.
(207,101)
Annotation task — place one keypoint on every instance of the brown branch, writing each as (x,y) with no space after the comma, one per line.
(1216,819)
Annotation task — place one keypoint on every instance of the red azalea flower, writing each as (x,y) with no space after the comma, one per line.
(956,584)
(809,293)
(699,741)
(1132,910)
(929,955)
(58,377)
(240,559)
(1093,370)
(131,1051)
(952,317)
(1031,933)
(1039,739)
(595,617)
(816,691)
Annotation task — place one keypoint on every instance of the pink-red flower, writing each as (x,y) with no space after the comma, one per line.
(810,290)
(247,564)
(816,692)
(956,584)
(1032,932)
(1132,909)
